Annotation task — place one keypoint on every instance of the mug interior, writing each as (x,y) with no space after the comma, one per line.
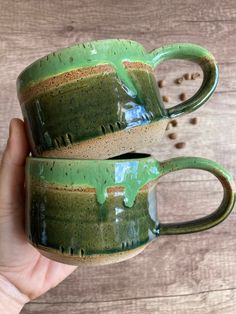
(131,155)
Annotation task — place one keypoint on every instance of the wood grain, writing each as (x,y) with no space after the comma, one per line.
(178,274)
(207,302)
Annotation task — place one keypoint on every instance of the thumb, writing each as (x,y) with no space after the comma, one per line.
(12,168)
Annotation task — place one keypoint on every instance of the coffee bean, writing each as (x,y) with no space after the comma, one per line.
(174,123)
(179,80)
(172,136)
(195,75)
(193,120)
(187,76)
(161,83)
(182,97)
(180,145)
(166,98)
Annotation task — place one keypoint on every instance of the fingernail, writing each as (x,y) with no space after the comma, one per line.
(10,130)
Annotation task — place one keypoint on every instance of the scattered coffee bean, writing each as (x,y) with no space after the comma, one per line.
(180,145)
(195,75)
(182,97)
(166,98)
(187,76)
(179,80)
(174,123)
(161,83)
(193,121)
(172,136)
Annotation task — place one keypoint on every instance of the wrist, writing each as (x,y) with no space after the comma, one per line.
(11,299)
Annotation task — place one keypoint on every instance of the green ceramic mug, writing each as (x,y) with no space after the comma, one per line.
(104,211)
(100,99)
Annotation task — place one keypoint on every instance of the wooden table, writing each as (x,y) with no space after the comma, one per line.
(176,274)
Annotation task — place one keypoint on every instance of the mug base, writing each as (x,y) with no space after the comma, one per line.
(113,144)
(92,260)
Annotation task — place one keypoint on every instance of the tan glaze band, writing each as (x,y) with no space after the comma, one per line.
(138,65)
(92,260)
(113,144)
(62,79)
(65,78)
(35,182)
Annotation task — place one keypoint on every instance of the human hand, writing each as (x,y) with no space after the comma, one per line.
(24,273)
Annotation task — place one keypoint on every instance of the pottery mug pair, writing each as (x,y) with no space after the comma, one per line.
(83,106)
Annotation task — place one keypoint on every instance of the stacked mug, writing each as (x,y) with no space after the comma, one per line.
(89,197)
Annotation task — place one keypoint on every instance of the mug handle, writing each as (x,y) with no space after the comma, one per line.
(219,214)
(196,54)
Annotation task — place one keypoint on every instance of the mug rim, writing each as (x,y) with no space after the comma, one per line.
(141,157)
(34,72)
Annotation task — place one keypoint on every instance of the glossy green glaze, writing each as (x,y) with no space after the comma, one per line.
(96,106)
(90,208)
(198,55)
(63,107)
(111,51)
(131,175)
(222,211)
(74,222)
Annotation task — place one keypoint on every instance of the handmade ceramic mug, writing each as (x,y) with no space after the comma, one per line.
(100,99)
(104,211)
